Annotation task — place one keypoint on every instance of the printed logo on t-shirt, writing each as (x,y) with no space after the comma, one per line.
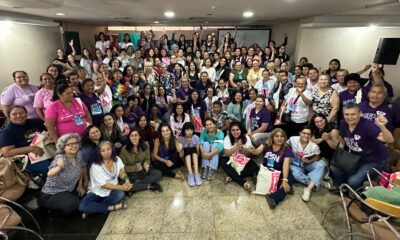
(352,143)
(270,155)
(369,116)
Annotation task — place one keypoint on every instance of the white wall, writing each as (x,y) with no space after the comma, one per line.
(291,29)
(26,47)
(354,47)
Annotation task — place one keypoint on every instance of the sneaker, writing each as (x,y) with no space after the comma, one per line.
(190,180)
(327,185)
(197,179)
(271,202)
(211,174)
(204,173)
(306,195)
(155,186)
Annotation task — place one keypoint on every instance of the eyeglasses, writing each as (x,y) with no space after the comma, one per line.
(73,144)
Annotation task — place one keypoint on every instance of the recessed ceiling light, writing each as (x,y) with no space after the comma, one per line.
(61,14)
(248,14)
(156,22)
(169,14)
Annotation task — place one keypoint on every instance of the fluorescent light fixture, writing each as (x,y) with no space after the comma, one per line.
(156,22)
(371,28)
(248,14)
(61,14)
(169,14)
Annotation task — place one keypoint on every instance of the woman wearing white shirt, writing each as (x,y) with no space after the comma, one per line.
(297,101)
(212,74)
(104,192)
(306,166)
(238,141)
(103,44)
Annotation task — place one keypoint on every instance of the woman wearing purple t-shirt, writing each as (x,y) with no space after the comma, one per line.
(365,138)
(260,122)
(277,155)
(19,93)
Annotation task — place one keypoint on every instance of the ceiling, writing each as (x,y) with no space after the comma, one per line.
(192,12)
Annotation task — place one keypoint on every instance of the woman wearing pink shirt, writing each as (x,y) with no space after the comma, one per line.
(66,114)
(43,97)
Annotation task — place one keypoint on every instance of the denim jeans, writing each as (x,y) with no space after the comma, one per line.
(309,172)
(357,179)
(213,162)
(92,203)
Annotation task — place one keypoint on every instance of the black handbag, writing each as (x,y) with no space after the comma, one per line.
(287,116)
(345,160)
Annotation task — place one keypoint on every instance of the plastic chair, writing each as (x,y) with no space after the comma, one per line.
(17,228)
(380,207)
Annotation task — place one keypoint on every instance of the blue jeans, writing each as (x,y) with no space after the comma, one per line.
(279,195)
(92,203)
(309,172)
(40,168)
(356,180)
(213,162)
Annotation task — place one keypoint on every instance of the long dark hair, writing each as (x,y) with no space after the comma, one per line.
(242,136)
(99,159)
(142,145)
(313,127)
(59,89)
(233,98)
(176,114)
(171,143)
(86,138)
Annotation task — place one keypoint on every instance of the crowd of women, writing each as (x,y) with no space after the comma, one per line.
(138,111)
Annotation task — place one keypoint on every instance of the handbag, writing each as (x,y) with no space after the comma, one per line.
(42,140)
(345,160)
(287,116)
(238,161)
(267,181)
(10,174)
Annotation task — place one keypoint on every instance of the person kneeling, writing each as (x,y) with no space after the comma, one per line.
(306,167)
(104,193)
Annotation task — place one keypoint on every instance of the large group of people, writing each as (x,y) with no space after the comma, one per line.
(135,112)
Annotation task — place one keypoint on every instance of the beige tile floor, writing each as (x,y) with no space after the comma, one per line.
(218,211)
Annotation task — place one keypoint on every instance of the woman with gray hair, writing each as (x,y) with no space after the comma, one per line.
(64,183)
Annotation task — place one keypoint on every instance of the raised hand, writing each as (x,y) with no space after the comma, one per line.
(71,43)
(381,120)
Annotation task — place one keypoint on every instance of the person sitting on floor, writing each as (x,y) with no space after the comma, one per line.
(136,157)
(104,192)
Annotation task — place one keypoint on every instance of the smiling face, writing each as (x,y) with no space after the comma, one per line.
(323,81)
(320,123)
(21,79)
(134,137)
(165,132)
(142,122)
(119,112)
(210,126)
(47,81)
(88,88)
(305,135)
(376,95)
(236,132)
(53,71)
(105,151)
(278,138)
(72,146)
(259,103)
(351,116)
(94,134)
(18,116)
(108,121)
(238,97)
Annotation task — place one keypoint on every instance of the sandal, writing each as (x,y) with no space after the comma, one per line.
(180,176)
(227,180)
(247,186)
(119,206)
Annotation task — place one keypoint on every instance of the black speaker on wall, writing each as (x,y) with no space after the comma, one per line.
(68,36)
(388,51)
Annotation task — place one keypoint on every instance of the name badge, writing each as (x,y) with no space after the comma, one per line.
(292,107)
(96,109)
(270,162)
(78,120)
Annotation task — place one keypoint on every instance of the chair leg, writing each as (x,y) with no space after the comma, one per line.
(328,210)
(24,229)
(354,234)
(26,211)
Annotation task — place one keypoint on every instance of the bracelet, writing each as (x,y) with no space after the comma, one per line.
(285,179)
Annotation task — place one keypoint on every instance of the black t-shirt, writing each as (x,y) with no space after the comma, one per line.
(20,135)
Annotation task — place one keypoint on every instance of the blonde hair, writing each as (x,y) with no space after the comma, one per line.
(270,140)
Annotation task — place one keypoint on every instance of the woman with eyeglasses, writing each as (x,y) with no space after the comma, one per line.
(307,166)
(64,183)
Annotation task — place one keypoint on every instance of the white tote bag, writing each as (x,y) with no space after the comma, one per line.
(267,181)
